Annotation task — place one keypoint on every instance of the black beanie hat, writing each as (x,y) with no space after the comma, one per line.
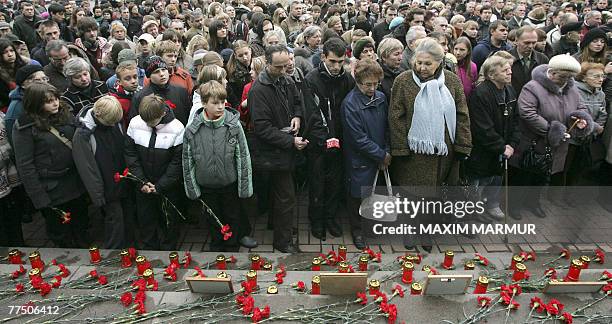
(592,35)
(570,27)
(154,63)
(24,72)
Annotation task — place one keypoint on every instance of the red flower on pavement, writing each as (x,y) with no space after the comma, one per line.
(248,286)
(199,272)
(56,282)
(607,289)
(362,298)
(64,272)
(537,304)
(36,282)
(484,301)
(551,273)
(54,262)
(240,299)
(378,257)
(266,311)
(126,299)
(248,305)
(512,289)
(567,318)
(392,313)
(102,280)
(45,289)
(398,290)
(256,317)
(600,256)
(481,259)
(21,270)
(140,284)
(15,274)
(300,286)
(554,307)
(383,307)
(279,278)
(19,287)
(381,297)
(93,273)
(170,272)
(350,268)
(140,307)
(117,177)
(141,295)
(565,253)
(187,260)
(232,259)
(606,275)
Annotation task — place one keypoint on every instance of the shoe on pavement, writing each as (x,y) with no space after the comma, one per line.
(289,248)
(359,242)
(334,228)
(248,242)
(496,213)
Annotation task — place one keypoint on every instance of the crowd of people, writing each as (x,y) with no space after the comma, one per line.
(144,111)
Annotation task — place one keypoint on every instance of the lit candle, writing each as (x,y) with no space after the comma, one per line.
(585,261)
(267,266)
(252,277)
(481,285)
(142,264)
(15,257)
(363,263)
(343,267)
(519,272)
(36,261)
(222,275)
(221,262)
(448,260)
(316,264)
(573,274)
(416,289)
(174,258)
(469,265)
(407,273)
(35,272)
(126,261)
(316,285)
(342,253)
(255,262)
(515,259)
(94,254)
(374,286)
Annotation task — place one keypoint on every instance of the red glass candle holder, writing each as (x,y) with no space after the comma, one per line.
(94,255)
(316,285)
(35,272)
(36,261)
(448,260)
(316,264)
(14,257)
(252,278)
(255,262)
(374,287)
(408,270)
(469,265)
(142,264)
(126,261)
(573,274)
(149,277)
(416,288)
(585,261)
(221,262)
(342,253)
(515,259)
(363,263)
(174,258)
(519,272)
(343,267)
(481,285)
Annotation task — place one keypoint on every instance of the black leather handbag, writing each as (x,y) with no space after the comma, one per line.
(538,163)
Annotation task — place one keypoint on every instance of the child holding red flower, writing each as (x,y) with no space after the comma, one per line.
(98,154)
(217,166)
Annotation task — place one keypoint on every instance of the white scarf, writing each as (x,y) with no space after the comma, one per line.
(433,105)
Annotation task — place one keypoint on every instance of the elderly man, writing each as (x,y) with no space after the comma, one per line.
(24,25)
(591,20)
(526,58)
(58,55)
(550,111)
(414,34)
(553,36)
(276,108)
(83,91)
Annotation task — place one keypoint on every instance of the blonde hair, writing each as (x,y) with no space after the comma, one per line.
(259,63)
(108,110)
(165,47)
(212,72)
(125,66)
(388,46)
(491,64)
(197,42)
(212,90)
(151,107)
(332,21)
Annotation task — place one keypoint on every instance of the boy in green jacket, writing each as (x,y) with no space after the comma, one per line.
(217,165)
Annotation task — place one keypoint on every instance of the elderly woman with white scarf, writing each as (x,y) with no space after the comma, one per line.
(429,123)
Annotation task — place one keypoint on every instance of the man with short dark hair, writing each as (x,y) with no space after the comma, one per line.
(328,84)
(414,17)
(276,109)
(498,34)
(484,21)
(24,25)
(48,30)
(292,22)
(94,46)
(382,29)
(57,13)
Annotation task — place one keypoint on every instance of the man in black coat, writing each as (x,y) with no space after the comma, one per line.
(276,109)
(328,85)
(24,25)
(526,57)
(382,29)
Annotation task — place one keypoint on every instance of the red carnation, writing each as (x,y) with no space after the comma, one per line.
(132,252)
(19,287)
(199,272)
(187,260)
(600,256)
(565,253)
(45,289)
(126,299)
(93,273)
(117,177)
(300,286)
(381,297)
(279,278)
(537,304)
(57,281)
(64,272)
(102,280)
(554,307)
(398,290)
(266,312)
(66,217)
(126,172)
(392,313)
(140,308)
(170,104)
(567,318)
(362,298)
(484,301)
(256,317)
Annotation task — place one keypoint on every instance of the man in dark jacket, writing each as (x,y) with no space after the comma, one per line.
(526,58)
(49,30)
(328,85)
(494,124)
(276,109)
(498,34)
(382,29)
(24,25)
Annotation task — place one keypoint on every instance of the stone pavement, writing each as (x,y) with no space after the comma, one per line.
(194,237)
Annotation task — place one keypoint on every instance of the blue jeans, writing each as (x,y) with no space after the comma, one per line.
(489,189)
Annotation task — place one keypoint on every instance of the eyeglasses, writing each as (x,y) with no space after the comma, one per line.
(43,79)
(61,59)
(597,76)
(371,84)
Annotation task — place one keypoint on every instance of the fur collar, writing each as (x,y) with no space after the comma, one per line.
(539,75)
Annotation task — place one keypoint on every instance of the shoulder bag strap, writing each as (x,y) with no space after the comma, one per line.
(59,136)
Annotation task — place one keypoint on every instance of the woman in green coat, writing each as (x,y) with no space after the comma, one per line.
(429,124)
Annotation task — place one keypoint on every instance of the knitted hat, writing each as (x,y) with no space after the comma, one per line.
(154,63)
(570,27)
(13,38)
(198,56)
(149,23)
(25,71)
(126,54)
(537,16)
(564,62)
(211,58)
(359,46)
(592,35)
(396,22)
(226,54)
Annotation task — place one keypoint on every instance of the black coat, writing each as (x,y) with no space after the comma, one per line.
(235,85)
(273,103)
(177,95)
(25,30)
(327,93)
(45,163)
(81,100)
(379,31)
(520,76)
(494,124)
(387,82)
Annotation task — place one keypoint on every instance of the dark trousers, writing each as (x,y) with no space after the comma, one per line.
(281,191)
(11,207)
(114,224)
(355,220)
(157,222)
(529,197)
(325,185)
(73,234)
(226,206)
